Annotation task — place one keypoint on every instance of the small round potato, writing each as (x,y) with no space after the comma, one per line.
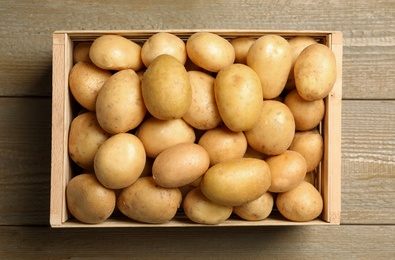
(85,138)
(157,135)
(163,43)
(241,46)
(88,200)
(303,203)
(200,209)
(119,105)
(115,52)
(223,144)
(119,161)
(85,81)
(147,202)
(258,209)
(81,52)
(210,51)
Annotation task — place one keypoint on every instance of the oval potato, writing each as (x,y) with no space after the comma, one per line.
(258,209)
(241,46)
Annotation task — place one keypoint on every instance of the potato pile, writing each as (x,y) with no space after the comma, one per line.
(207,125)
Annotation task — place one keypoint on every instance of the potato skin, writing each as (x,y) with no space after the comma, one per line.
(241,46)
(238,94)
(236,182)
(255,210)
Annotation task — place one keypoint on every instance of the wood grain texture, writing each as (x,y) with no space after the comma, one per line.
(368,27)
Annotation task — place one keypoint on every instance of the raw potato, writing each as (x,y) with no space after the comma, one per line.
(166,88)
(85,81)
(241,46)
(81,52)
(88,200)
(180,164)
(85,138)
(315,72)
(271,58)
(119,161)
(287,171)
(115,52)
(147,202)
(236,182)
(210,51)
(157,135)
(223,144)
(163,43)
(200,209)
(119,105)
(307,114)
(303,203)
(310,144)
(258,209)
(203,113)
(275,130)
(238,94)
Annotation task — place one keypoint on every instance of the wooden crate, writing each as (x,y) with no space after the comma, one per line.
(63,111)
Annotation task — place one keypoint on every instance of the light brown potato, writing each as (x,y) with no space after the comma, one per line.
(252,153)
(200,209)
(81,52)
(236,182)
(115,52)
(238,94)
(119,161)
(307,114)
(88,200)
(166,88)
(85,138)
(163,43)
(241,46)
(287,171)
(210,51)
(180,164)
(157,135)
(85,82)
(275,129)
(119,104)
(147,202)
(255,210)
(315,72)
(271,58)
(311,177)
(223,144)
(310,144)
(298,44)
(303,203)
(203,113)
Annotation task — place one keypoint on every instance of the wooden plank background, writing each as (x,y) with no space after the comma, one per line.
(367,227)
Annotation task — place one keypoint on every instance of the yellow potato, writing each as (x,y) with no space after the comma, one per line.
(166,88)
(203,113)
(157,135)
(119,161)
(147,202)
(258,209)
(238,94)
(88,200)
(303,203)
(241,46)
(163,43)
(287,171)
(85,138)
(275,129)
(85,81)
(180,164)
(115,52)
(310,144)
(271,58)
(236,182)
(210,51)
(119,104)
(307,114)
(315,72)
(81,52)
(223,144)
(200,209)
